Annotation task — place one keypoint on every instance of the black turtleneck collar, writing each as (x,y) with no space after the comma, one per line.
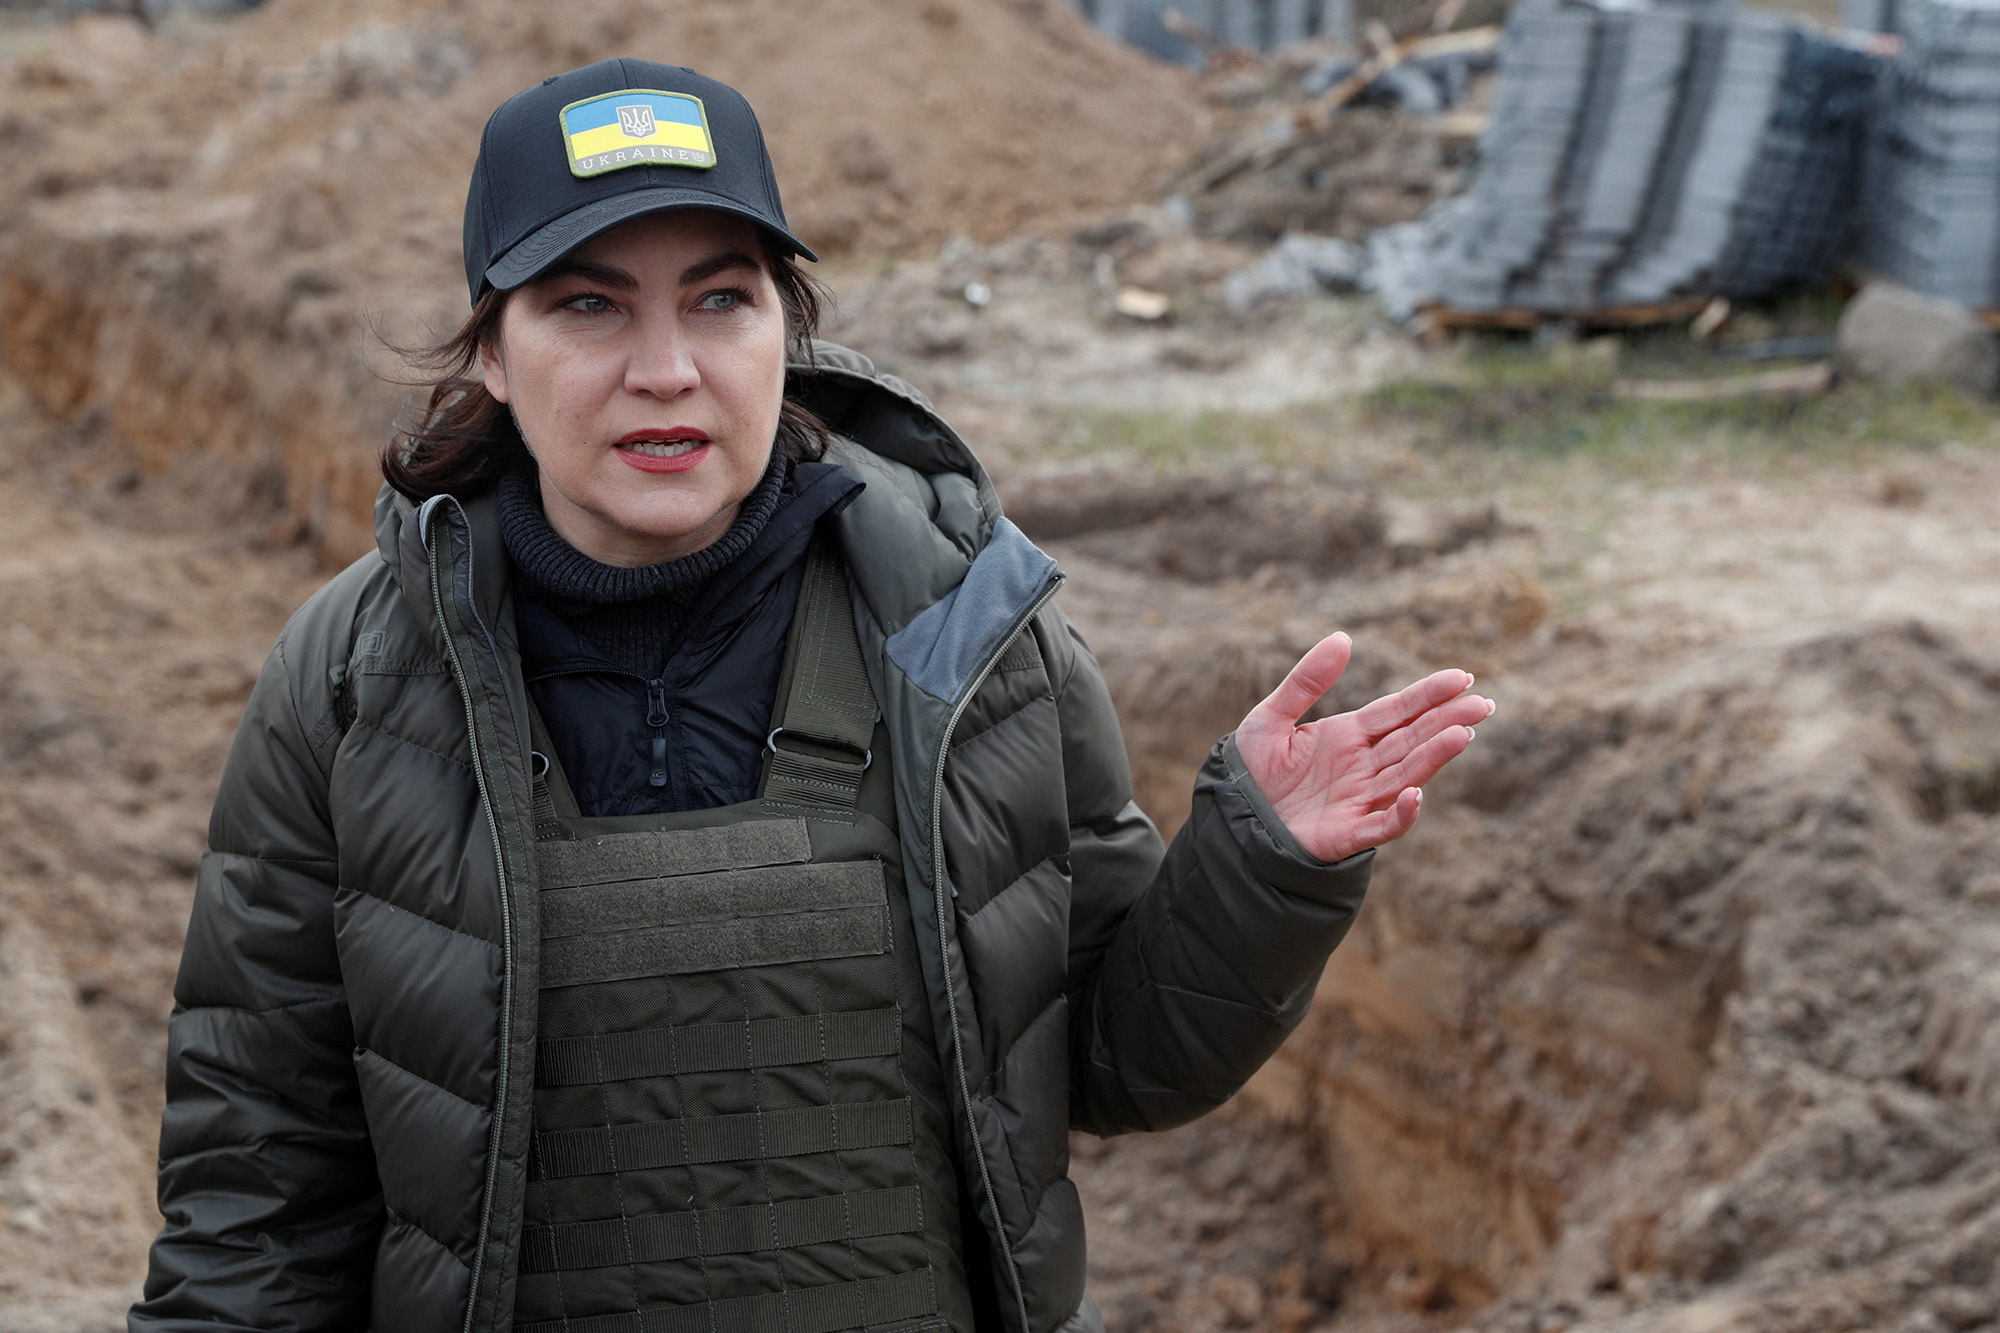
(555,567)
(632,619)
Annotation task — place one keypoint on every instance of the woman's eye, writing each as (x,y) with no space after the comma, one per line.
(725,300)
(590,303)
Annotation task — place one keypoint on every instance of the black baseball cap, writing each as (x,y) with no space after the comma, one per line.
(581,152)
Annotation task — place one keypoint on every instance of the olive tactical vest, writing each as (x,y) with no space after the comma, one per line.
(740,1122)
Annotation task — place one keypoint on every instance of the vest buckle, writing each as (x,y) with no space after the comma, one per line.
(820,743)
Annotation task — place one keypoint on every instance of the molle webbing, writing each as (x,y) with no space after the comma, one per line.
(613,1057)
(750,1137)
(713,1231)
(846,1305)
(695,851)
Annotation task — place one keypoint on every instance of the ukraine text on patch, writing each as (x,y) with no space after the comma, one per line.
(636,127)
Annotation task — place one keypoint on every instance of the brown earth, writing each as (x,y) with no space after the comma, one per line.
(201,225)
(1672,1016)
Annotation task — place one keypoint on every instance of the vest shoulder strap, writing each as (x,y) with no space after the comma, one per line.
(555,803)
(820,732)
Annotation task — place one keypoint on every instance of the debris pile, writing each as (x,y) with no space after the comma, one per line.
(1183,30)
(1934,220)
(1637,155)
(263,183)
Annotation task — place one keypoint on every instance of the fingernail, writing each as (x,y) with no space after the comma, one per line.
(1469,734)
(1420,796)
(1469,678)
(1491,707)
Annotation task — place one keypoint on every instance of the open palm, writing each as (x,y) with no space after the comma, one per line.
(1347,783)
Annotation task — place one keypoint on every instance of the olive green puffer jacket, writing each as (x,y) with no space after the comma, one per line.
(352,1045)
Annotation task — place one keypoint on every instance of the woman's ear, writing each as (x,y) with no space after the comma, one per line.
(493,368)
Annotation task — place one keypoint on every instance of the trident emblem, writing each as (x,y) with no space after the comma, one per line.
(636,121)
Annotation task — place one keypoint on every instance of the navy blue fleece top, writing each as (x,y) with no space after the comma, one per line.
(657,683)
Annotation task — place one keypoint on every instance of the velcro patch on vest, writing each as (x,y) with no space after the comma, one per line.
(649,1145)
(708,1048)
(869,1303)
(709,923)
(666,1237)
(624,856)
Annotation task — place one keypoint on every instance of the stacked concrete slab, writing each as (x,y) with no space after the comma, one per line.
(1259,24)
(1538,105)
(1933,221)
(1632,93)
(1638,154)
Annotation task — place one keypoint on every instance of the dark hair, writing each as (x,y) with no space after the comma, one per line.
(462,440)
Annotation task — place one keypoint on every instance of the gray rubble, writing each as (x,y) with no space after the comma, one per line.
(1297,266)
(1896,336)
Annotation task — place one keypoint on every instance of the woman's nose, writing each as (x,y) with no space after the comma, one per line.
(662,362)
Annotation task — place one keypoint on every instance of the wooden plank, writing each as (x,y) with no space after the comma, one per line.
(1444,317)
(1642,316)
(1792,382)
(1605,317)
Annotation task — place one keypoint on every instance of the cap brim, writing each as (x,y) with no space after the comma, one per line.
(541,249)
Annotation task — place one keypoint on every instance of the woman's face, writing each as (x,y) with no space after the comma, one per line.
(646,372)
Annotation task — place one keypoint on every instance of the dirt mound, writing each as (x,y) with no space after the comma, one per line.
(1204,525)
(1683,1001)
(128,654)
(1676,1013)
(198,222)
(1238,1234)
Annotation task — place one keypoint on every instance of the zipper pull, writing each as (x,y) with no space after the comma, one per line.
(659,778)
(656,703)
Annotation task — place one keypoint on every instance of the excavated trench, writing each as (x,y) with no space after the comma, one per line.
(1676,1012)
(1676,1006)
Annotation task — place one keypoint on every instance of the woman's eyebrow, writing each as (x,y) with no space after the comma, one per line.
(605,275)
(714,264)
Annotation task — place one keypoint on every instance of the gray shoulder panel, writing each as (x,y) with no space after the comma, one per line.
(941,648)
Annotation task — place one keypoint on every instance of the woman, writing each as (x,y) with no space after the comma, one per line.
(688,879)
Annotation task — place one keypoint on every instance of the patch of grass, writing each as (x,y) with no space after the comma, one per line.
(1168,439)
(1529,400)
(1503,417)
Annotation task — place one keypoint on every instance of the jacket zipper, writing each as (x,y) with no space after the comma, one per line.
(656,718)
(944,941)
(506,933)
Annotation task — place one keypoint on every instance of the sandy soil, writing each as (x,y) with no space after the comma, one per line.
(133,634)
(1526,1022)
(1672,1016)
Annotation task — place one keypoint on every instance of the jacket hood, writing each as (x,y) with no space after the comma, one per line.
(928,514)
(945,576)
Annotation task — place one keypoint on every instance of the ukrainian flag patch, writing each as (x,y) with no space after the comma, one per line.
(636,127)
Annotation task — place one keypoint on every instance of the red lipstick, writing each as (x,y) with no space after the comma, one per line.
(675,449)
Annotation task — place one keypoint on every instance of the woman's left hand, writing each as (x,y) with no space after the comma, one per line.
(1355,781)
